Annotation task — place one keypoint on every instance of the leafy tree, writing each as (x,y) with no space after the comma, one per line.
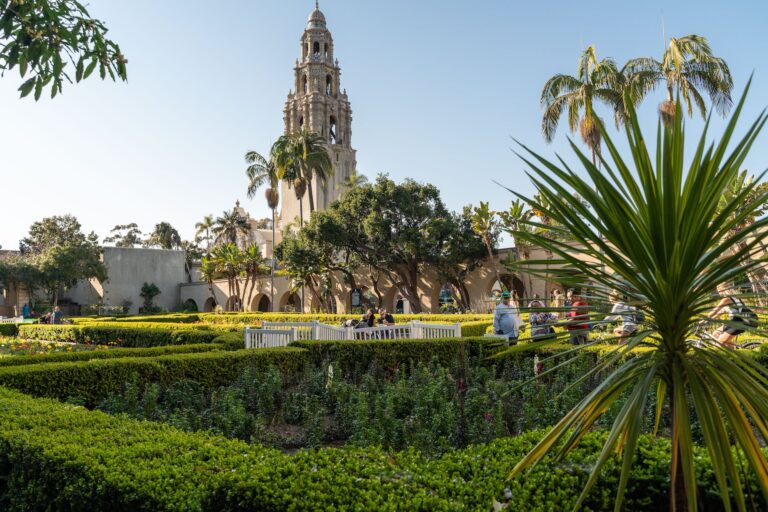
(164,236)
(61,266)
(148,292)
(594,81)
(658,227)
(53,231)
(463,251)
(354,180)
(302,263)
(398,229)
(517,218)
(229,226)
(55,40)
(688,70)
(124,235)
(203,230)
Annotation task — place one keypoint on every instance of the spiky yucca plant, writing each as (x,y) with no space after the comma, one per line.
(656,229)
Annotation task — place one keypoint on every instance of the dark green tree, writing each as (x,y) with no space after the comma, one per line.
(148,292)
(124,235)
(52,231)
(163,236)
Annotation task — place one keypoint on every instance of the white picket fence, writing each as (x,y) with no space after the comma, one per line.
(280,334)
(12,320)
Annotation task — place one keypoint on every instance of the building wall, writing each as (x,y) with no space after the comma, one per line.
(127,270)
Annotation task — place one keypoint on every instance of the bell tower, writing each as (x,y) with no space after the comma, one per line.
(318,103)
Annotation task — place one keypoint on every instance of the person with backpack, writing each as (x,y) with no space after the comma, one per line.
(624,313)
(740,316)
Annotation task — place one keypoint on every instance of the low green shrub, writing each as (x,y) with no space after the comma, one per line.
(95,379)
(56,456)
(9,329)
(113,353)
(120,334)
(356,358)
(475,328)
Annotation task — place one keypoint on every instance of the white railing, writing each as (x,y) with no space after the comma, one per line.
(268,338)
(12,320)
(314,330)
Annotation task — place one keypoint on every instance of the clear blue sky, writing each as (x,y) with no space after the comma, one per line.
(437,88)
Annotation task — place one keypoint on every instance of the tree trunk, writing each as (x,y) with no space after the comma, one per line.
(272,268)
(493,262)
(311,199)
(678,496)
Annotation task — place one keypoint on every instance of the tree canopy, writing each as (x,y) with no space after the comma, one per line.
(53,41)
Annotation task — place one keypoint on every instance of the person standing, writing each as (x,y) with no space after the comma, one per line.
(506,318)
(541,322)
(578,317)
(57,315)
(25,311)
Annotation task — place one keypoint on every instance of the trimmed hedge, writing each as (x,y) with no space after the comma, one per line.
(120,335)
(95,379)
(476,328)
(55,456)
(356,358)
(9,329)
(255,319)
(114,353)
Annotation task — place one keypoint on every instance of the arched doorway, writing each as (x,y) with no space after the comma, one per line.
(260,303)
(209,305)
(234,304)
(190,305)
(290,302)
(508,282)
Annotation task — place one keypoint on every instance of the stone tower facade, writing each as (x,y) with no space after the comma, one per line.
(317,103)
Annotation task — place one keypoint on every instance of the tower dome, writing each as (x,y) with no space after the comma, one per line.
(316,19)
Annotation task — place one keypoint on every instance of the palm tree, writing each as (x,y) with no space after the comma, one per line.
(164,236)
(353,181)
(485,224)
(594,81)
(205,227)
(654,223)
(516,219)
(261,172)
(228,260)
(253,266)
(209,272)
(687,69)
(299,158)
(229,226)
(313,159)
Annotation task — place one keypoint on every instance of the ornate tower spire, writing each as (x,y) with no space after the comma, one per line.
(318,105)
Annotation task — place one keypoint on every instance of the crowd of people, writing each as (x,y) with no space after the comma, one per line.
(571,311)
(49,317)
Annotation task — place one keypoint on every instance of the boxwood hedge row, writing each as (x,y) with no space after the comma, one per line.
(8,329)
(56,456)
(114,353)
(94,379)
(120,334)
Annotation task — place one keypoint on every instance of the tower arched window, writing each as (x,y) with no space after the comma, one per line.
(304,84)
(316,48)
(332,131)
(325,49)
(328,85)
(301,122)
